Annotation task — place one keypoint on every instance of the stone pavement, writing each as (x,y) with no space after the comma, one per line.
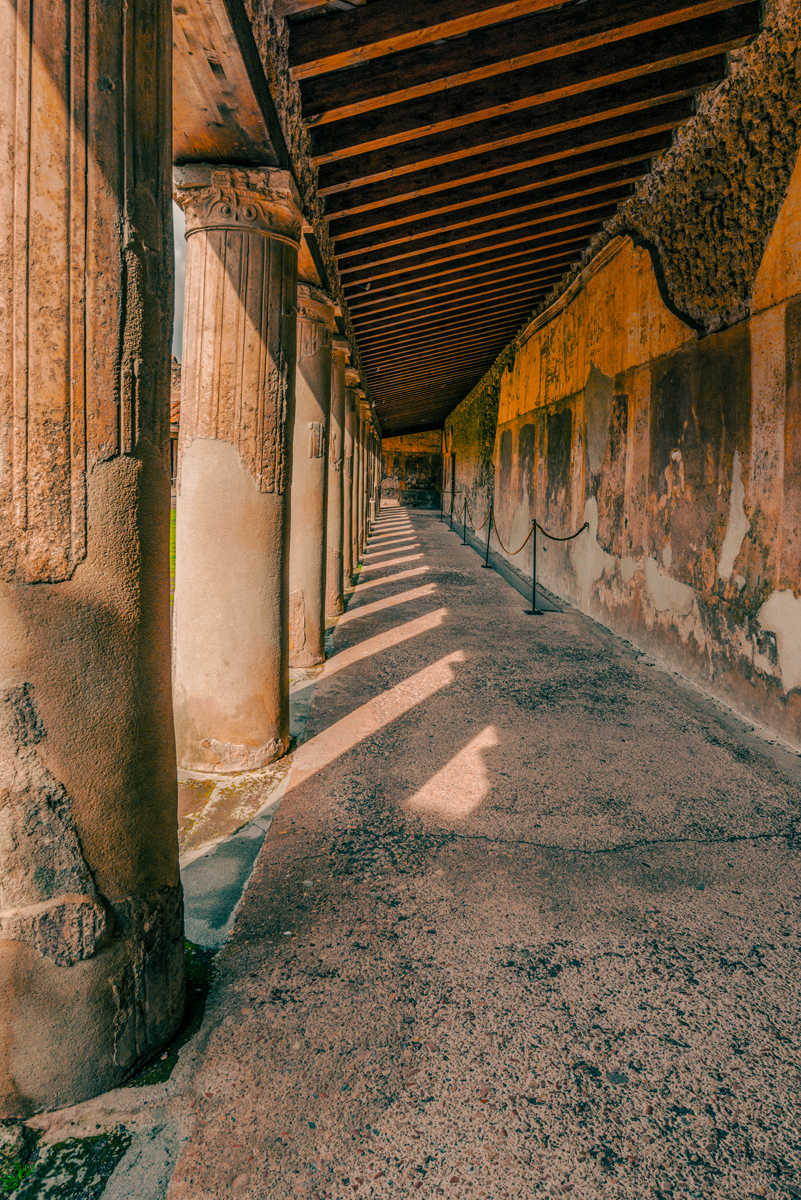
(526,923)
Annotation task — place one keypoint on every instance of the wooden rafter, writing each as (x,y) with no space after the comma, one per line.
(468,150)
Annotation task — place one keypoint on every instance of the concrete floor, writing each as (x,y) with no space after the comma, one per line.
(526,923)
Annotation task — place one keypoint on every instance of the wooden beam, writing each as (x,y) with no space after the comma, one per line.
(342,40)
(525,273)
(554,199)
(399,353)
(484,344)
(586,71)
(397,331)
(344,166)
(538,169)
(559,147)
(399,296)
(521,182)
(501,251)
(491,233)
(540,39)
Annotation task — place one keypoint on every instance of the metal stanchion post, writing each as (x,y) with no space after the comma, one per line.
(534,611)
(450,514)
(490,519)
(464,523)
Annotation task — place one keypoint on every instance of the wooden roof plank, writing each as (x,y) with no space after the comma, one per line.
(500,206)
(474,287)
(568,143)
(341,166)
(549,175)
(501,229)
(524,247)
(541,170)
(340,40)
(585,71)
(496,51)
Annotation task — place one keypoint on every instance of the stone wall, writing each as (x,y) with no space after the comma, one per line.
(412,468)
(679,446)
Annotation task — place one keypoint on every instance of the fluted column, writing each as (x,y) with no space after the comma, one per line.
(307,542)
(91,951)
(334,578)
(231,683)
(358,468)
(363,472)
(348,561)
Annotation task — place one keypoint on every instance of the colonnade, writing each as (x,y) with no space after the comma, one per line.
(277,470)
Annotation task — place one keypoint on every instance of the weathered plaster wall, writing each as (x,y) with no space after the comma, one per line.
(681,450)
(411,467)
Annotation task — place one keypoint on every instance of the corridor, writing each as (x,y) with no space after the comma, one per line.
(526,923)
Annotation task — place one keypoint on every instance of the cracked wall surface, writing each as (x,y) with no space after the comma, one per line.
(681,451)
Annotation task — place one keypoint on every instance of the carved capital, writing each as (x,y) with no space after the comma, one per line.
(259,200)
(315,320)
(314,305)
(352,377)
(341,346)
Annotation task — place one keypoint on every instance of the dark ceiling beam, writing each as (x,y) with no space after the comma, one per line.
(345,39)
(408,351)
(584,225)
(583,167)
(445,356)
(546,201)
(585,71)
(524,275)
(450,309)
(495,267)
(502,230)
(503,251)
(396,335)
(345,168)
(533,162)
(532,42)
(528,155)
(441,364)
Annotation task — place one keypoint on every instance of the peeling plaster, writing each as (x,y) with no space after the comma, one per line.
(590,560)
(781,614)
(738,525)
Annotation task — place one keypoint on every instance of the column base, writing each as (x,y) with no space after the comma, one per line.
(305,659)
(225,758)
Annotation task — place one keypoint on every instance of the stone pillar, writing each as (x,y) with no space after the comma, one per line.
(348,562)
(363,472)
(231,683)
(358,467)
(334,578)
(307,542)
(91,949)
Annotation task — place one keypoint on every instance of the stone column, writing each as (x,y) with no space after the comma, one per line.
(334,578)
(91,949)
(358,465)
(363,472)
(231,683)
(307,542)
(348,563)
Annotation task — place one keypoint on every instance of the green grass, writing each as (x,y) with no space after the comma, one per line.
(13,1177)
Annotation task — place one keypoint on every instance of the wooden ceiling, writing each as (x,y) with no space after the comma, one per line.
(469,149)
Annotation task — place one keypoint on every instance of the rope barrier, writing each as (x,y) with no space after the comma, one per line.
(523,544)
(477,528)
(569,537)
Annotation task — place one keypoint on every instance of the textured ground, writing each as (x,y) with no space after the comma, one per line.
(525,925)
